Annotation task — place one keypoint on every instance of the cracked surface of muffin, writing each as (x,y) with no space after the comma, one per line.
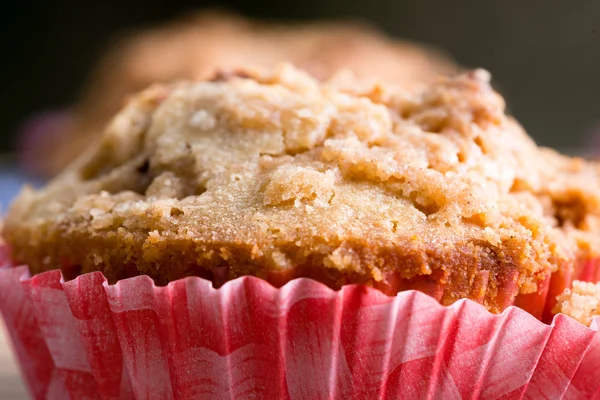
(581,302)
(194,47)
(277,175)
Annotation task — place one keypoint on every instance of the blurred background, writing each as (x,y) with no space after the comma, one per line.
(544,57)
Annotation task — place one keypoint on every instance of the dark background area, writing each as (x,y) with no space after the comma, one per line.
(544,55)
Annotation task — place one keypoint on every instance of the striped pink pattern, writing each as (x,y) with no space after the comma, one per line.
(248,340)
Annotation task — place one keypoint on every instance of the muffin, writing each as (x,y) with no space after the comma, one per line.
(194,47)
(279,176)
(206,205)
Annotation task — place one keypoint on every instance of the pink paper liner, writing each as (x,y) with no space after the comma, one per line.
(87,339)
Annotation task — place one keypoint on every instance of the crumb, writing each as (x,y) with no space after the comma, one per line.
(581,303)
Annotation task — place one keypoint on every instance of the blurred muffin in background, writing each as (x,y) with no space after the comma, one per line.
(194,47)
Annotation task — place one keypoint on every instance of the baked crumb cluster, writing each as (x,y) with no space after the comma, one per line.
(582,302)
(194,47)
(274,174)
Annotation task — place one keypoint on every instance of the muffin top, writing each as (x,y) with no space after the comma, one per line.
(192,48)
(274,174)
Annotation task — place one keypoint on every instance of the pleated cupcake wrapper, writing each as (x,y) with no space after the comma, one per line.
(85,339)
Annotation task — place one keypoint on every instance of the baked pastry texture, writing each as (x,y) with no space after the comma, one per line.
(194,47)
(277,175)
(581,302)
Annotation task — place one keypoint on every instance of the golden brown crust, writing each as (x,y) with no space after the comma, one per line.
(276,175)
(197,46)
(581,302)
